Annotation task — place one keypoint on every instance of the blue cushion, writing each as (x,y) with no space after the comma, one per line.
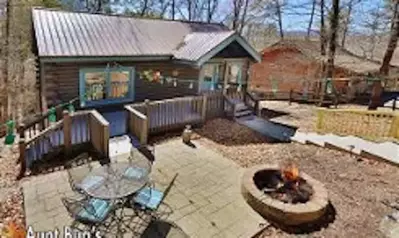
(135,173)
(149,198)
(90,181)
(96,210)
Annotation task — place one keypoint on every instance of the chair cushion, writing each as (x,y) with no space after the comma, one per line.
(135,173)
(96,210)
(90,181)
(149,198)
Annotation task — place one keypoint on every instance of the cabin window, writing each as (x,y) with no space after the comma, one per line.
(103,86)
(234,73)
(211,77)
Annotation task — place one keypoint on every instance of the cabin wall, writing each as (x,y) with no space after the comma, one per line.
(61,80)
(286,69)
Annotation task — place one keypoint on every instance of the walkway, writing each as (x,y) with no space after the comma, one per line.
(384,151)
(205,201)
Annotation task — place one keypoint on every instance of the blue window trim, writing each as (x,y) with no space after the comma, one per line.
(82,86)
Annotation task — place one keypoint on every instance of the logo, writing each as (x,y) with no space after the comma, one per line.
(12,230)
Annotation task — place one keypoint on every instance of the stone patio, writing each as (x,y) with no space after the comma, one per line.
(205,200)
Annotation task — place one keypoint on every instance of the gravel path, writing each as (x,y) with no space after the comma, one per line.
(356,186)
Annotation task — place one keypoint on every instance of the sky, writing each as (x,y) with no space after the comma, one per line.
(298,19)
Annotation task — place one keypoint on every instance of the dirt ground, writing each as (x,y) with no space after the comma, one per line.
(357,187)
(11,199)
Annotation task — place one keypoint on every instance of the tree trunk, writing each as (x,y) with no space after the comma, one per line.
(236,13)
(144,9)
(209,15)
(333,38)
(280,19)
(345,31)
(189,10)
(393,41)
(173,9)
(311,19)
(244,15)
(322,30)
(7,59)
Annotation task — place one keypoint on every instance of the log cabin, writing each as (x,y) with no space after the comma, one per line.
(109,60)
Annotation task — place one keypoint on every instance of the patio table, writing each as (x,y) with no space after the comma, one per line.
(117,181)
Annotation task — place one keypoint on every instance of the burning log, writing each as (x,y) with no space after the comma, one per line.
(290,188)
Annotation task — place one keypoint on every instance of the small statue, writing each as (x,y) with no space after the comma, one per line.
(186,136)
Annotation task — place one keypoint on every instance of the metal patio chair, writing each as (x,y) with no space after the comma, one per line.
(149,199)
(78,179)
(95,214)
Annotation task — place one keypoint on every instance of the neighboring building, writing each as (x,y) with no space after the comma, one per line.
(297,65)
(105,59)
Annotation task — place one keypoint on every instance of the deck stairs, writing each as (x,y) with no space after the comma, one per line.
(386,151)
(274,131)
(242,110)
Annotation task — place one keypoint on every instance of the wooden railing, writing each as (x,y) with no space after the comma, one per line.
(72,131)
(164,115)
(372,125)
(31,127)
(214,104)
(138,124)
(99,133)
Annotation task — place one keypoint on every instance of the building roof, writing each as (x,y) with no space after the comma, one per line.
(343,58)
(76,34)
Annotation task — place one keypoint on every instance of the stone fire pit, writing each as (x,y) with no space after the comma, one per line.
(277,210)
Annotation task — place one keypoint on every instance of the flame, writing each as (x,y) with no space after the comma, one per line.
(290,172)
(13,231)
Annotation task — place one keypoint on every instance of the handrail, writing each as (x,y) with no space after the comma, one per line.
(88,128)
(139,114)
(46,131)
(138,124)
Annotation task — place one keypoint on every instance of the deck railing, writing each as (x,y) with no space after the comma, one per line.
(138,124)
(372,125)
(164,115)
(72,131)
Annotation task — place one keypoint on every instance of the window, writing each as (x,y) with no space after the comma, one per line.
(101,86)
(95,85)
(119,84)
(234,73)
(211,76)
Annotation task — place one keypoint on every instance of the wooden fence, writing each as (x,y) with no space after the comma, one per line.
(73,130)
(372,125)
(164,115)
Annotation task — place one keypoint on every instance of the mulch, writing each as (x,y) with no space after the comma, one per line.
(357,187)
(11,197)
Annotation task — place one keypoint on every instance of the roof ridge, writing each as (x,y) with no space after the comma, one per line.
(131,17)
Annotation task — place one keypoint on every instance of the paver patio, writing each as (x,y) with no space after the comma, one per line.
(205,200)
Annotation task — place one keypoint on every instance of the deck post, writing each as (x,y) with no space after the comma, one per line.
(105,141)
(204,107)
(147,112)
(67,131)
(22,160)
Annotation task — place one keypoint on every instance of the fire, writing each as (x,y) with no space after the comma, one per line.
(13,231)
(290,172)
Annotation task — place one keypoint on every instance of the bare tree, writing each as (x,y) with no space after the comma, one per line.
(311,18)
(244,15)
(237,5)
(279,18)
(334,20)
(323,38)
(393,41)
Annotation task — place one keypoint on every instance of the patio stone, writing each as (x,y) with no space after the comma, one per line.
(205,200)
